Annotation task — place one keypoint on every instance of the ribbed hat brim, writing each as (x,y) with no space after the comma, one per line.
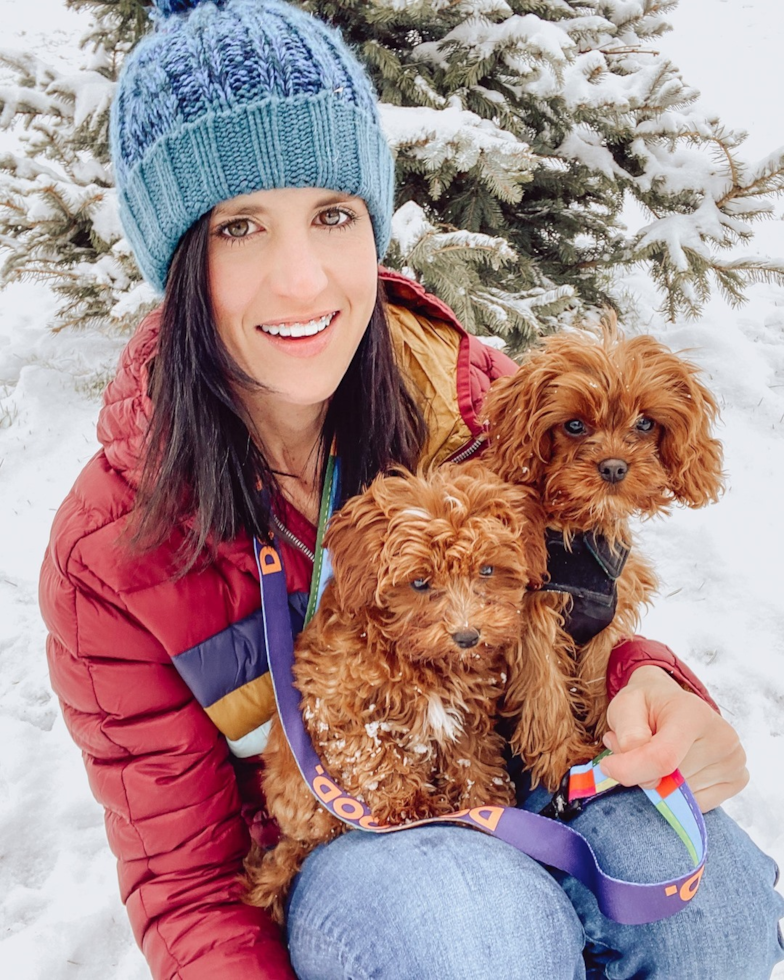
(306,141)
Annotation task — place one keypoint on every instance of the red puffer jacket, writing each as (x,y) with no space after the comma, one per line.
(136,657)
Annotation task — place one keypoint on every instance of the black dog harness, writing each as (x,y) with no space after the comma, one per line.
(587,570)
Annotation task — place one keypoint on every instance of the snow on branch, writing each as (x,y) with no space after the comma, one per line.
(451,262)
(454,140)
(59,220)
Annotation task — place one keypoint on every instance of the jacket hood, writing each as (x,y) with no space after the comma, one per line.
(127,407)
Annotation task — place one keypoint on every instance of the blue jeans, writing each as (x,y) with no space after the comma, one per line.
(450,903)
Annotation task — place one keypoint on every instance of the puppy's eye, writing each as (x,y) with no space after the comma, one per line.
(644,424)
(420,585)
(486,571)
(575,427)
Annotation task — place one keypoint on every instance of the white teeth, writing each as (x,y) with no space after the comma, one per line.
(308,329)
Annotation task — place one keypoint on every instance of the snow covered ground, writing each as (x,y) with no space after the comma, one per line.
(721,603)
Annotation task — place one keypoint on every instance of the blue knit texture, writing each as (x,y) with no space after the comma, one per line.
(229,98)
(168,7)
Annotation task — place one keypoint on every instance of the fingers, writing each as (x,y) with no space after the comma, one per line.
(714,766)
(627,717)
(713,778)
(628,736)
(653,727)
(646,764)
(716,756)
(710,786)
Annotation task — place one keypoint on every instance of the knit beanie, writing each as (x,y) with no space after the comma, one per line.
(228,97)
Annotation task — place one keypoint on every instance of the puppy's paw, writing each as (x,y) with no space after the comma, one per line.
(489,789)
(550,768)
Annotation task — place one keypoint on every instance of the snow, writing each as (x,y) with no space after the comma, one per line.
(585,146)
(91,92)
(106,218)
(409,225)
(720,603)
(455,136)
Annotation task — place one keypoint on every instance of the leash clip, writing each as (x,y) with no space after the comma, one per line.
(560,807)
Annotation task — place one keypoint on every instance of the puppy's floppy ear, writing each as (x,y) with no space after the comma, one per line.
(694,464)
(686,410)
(518,507)
(530,533)
(355,539)
(519,444)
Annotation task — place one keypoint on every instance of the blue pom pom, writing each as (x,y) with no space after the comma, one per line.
(169,7)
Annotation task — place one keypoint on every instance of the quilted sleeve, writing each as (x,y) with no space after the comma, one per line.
(627,656)
(161,771)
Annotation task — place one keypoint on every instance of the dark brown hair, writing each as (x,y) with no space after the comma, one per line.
(202,468)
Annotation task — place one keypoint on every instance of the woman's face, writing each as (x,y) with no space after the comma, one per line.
(293,278)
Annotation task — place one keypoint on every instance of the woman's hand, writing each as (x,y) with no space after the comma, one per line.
(655,727)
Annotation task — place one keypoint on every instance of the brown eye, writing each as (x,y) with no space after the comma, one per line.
(486,571)
(337,218)
(644,424)
(575,427)
(332,217)
(237,229)
(420,585)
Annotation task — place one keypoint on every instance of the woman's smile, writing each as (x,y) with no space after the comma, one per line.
(302,339)
(299,328)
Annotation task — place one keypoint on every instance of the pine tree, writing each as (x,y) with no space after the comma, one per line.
(589,113)
(521,128)
(58,213)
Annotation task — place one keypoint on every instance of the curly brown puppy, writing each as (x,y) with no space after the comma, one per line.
(603,429)
(403,665)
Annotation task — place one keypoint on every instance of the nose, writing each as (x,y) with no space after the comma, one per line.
(613,470)
(466,638)
(295,267)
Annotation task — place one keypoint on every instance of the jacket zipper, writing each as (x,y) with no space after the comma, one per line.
(284,532)
(468,450)
(457,457)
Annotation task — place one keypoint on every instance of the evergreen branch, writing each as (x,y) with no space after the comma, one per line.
(756,186)
(758,265)
(29,102)
(628,49)
(700,138)
(32,70)
(52,272)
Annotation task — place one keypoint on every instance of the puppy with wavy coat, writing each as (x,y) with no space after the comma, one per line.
(402,667)
(604,429)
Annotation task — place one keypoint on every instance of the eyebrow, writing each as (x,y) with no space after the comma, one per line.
(237,207)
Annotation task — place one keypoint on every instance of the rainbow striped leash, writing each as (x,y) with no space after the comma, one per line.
(675,804)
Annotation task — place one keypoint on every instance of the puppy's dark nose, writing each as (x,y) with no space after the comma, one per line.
(466,638)
(613,470)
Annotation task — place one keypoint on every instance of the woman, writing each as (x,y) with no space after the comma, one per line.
(256,188)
